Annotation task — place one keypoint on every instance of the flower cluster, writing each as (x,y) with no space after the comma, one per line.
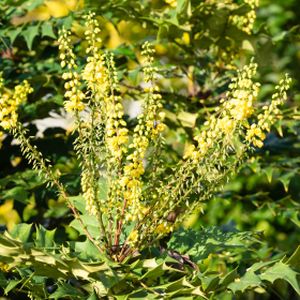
(243,92)
(255,136)
(94,73)
(116,138)
(246,22)
(87,185)
(226,55)
(116,131)
(232,114)
(149,126)
(257,132)
(149,199)
(9,104)
(140,193)
(72,86)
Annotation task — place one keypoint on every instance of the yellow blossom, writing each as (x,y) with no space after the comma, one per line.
(164,228)
(188,151)
(150,126)
(172,3)
(133,237)
(73,92)
(9,103)
(255,136)
(226,125)
(257,132)
(246,22)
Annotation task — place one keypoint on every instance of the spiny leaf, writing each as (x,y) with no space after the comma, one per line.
(284,272)
(44,238)
(21,232)
(12,34)
(199,244)
(29,35)
(47,30)
(86,250)
(250,279)
(11,285)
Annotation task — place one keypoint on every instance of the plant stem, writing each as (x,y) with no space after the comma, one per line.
(39,164)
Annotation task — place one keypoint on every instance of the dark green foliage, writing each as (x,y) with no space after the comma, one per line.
(168,273)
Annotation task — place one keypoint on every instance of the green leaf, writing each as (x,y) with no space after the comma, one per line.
(250,279)
(286,178)
(29,35)
(187,119)
(67,21)
(21,232)
(210,282)
(278,126)
(125,51)
(79,202)
(44,238)
(154,273)
(12,34)
(11,285)
(217,23)
(133,75)
(183,7)
(294,260)
(66,290)
(200,244)
(242,10)
(93,297)
(30,5)
(86,250)
(103,188)
(228,278)
(17,193)
(269,173)
(90,222)
(47,30)
(284,272)
(246,45)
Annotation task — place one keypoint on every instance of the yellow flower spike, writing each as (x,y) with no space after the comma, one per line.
(257,132)
(149,127)
(9,104)
(72,85)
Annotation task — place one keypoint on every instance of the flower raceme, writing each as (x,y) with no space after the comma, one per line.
(246,22)
(146,199)
(73,93)
(10,101)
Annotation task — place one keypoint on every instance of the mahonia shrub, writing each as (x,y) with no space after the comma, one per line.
(135,196)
